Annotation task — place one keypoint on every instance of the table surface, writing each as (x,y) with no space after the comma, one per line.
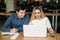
(56,36)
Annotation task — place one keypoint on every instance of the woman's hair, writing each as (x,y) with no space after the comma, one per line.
(37,8)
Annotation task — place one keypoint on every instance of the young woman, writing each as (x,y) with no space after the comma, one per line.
(39,18)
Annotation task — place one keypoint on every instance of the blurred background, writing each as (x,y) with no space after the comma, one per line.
(50,7)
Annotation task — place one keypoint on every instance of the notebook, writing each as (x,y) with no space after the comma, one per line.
(34,31)
(13,35)
(7,33)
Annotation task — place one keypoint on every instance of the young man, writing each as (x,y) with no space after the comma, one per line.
(16,21)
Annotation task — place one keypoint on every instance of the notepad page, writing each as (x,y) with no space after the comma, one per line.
(5,33)
(15,36)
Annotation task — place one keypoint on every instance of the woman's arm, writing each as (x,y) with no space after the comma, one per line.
(49,26)
(51,30)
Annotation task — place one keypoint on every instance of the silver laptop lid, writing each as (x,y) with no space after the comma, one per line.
(34,31)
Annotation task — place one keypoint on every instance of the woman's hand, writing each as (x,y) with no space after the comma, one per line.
(51,30)
(14,30)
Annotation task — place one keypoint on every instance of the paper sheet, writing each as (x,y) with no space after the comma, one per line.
(7,33)
(15,36)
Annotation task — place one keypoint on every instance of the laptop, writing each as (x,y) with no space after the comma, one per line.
(34,31)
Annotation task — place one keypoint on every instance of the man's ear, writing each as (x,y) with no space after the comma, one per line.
(16,11)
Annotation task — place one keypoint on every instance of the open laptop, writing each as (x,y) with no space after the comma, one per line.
(34,31)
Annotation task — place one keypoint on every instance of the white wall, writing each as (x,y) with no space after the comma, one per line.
(47,0)
(9,5)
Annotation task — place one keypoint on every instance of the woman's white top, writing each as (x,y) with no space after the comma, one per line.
(41,22)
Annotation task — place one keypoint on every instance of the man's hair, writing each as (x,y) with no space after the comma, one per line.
(20,8)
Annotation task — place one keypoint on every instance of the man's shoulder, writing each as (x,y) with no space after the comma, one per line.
(14,14)
(27,15)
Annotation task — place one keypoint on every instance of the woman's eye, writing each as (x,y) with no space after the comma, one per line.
(34,13)
(38,13)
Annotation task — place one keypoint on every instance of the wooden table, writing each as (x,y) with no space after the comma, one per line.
(56,37)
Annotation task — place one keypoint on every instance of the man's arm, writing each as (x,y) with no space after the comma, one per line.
(26,21)
(5,27)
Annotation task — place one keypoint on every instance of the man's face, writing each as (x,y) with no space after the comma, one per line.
(21,13)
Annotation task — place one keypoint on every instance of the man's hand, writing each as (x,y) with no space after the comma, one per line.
(14,30)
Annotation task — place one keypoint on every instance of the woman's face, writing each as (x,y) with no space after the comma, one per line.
(37,14)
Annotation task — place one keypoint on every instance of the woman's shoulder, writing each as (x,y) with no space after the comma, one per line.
(45,17)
